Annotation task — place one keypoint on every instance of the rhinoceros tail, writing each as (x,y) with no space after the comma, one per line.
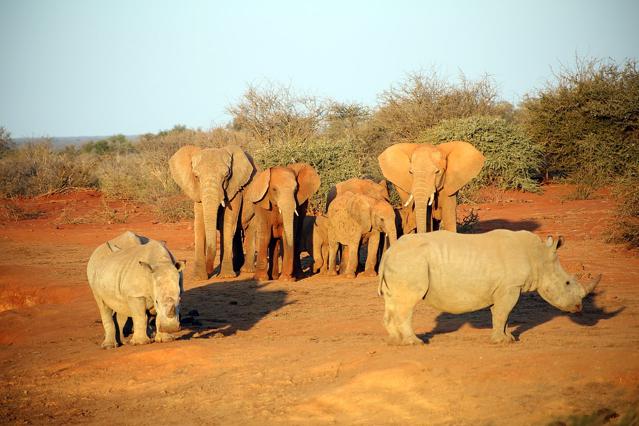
(382,279)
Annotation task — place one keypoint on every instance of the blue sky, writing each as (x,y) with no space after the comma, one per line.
(72,68)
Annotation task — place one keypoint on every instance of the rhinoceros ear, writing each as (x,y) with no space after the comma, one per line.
(146,265)
(180,265)
(554,244)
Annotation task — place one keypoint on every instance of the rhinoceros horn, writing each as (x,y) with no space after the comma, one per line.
(590,286)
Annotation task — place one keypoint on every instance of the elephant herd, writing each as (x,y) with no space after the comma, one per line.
(268,208)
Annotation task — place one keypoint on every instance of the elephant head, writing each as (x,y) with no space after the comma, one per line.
(213,177)
(423,173)
(379,191)
(372,215)
(284,189)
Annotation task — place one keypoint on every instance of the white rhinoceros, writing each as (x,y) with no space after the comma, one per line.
(459,273)
(129,275)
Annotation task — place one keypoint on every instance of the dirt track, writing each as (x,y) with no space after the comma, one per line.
(312,351)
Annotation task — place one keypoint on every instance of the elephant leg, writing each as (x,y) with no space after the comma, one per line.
(448,212)
(371,254)
(106,315)
(137,305)
(202,266)
(263,238)
(231,215)
(351,266)
(332,254)
(249,248)
(274,257)
(324,265)
(318,255)
(343,259)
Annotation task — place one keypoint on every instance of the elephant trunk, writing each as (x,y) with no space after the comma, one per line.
(423,193)
(211,200)
(288,211)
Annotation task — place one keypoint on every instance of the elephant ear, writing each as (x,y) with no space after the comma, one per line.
(464,162)
(242,170)
(360,209)
(395,164)
(308,181)
(256,190)
(384,189)
(181,167)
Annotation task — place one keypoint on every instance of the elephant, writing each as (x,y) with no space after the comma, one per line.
(429,176)
(352,216)
(378,191)
(277,195)
(213,178)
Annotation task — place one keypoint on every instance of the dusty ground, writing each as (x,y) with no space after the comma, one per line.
(312,351)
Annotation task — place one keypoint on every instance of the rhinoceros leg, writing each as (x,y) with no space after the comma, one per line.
(398,316)
(137,306)
(106,315)
(505,301)
(121,319)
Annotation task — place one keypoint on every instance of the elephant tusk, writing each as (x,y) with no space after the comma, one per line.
(223,204)
(296,213)
(408,201)
(280,210)
(430,199)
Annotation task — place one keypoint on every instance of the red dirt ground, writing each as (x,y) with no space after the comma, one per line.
(312,351)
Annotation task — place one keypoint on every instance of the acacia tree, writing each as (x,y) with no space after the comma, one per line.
(276,114)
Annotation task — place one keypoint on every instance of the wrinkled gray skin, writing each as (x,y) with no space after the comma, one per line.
(130,275)
(459,273)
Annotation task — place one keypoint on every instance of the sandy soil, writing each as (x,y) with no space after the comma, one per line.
(311,351)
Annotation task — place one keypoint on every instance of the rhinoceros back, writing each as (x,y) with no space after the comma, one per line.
(461,272)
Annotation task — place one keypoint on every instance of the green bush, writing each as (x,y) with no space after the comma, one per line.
(626,225)
(587,122)
(334,160)
(512,159)
(35,169)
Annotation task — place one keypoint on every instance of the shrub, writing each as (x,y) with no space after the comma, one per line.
(334,160)
(6,143)
(587,122)
(423,100)
(512,159)
(35,169)
(626,226)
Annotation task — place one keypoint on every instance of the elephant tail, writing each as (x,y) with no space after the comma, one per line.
(382,279)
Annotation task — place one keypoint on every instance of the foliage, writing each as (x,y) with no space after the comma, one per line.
(334,160)
(117,144)
(6,143)
(35,169)
(512,159)
(275,114)
(587,122)
(423,100)
(626,225)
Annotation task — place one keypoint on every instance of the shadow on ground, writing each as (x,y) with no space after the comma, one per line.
(517,225)
(227,307)
(530,312)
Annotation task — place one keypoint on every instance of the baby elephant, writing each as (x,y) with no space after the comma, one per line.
(459,273)
(130,275)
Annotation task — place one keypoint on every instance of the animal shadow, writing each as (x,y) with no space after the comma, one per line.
(227,307)
(518,225)
(531,311)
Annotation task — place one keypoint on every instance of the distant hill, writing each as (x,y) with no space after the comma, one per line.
(70,140)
